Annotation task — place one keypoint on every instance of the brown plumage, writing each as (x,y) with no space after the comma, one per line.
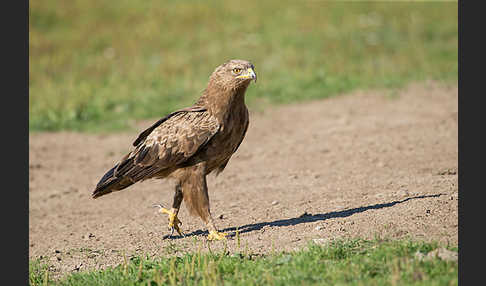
(190,143)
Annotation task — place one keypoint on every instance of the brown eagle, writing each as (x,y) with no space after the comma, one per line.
(190,143)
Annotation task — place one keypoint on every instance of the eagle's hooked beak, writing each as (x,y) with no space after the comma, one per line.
(250,74)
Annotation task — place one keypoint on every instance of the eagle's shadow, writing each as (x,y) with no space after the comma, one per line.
(305,218)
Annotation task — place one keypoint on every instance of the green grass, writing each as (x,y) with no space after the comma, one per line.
(98,65)
(343,262)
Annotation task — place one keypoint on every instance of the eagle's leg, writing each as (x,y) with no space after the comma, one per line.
(174,221)
(196,197)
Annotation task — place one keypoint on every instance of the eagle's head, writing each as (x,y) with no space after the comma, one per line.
(234,74)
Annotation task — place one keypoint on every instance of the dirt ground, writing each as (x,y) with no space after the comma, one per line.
(366,164)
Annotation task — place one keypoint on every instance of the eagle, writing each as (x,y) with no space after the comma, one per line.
(188,144)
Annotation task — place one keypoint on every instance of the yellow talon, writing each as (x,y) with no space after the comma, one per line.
(174,221)
(214,235)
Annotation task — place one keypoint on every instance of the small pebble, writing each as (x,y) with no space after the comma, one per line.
(88,236)
(304,214)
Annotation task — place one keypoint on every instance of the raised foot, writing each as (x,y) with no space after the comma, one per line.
(214,235)
(174,221)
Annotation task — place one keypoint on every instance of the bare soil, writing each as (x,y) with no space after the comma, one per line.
(366,164)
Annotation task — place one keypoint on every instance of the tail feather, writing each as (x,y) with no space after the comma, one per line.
(109,183)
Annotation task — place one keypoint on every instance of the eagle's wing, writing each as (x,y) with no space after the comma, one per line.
(166,144)
(170,143)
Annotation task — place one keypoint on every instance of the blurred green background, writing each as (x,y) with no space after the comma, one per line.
(97,65)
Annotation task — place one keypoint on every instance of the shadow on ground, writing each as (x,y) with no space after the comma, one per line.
(305,218)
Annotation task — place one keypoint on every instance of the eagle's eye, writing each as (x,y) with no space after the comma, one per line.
(236,70)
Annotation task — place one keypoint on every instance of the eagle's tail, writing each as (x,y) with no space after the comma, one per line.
(110,183)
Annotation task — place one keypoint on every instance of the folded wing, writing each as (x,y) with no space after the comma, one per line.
(169,143)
